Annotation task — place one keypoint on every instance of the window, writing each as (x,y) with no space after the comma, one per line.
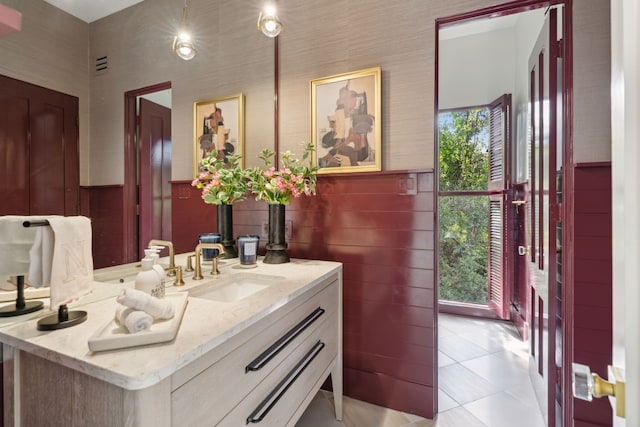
(473,230)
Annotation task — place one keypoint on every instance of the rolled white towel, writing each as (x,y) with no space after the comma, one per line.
(134,320)
(139,300)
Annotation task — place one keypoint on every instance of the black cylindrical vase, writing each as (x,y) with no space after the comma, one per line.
(277,245)
(225,229)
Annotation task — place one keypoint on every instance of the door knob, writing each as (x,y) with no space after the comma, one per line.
(587,385)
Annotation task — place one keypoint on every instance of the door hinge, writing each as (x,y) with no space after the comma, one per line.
(137,209)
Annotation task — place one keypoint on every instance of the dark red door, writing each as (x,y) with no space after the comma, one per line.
(38,150)
(155,173)
(545,65)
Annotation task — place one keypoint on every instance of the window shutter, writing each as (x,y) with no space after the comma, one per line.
(500,244)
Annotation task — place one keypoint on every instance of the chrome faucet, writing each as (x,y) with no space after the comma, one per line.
(197,275)
(172,258)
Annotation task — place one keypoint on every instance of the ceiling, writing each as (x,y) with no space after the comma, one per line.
(92,10)
(483,25)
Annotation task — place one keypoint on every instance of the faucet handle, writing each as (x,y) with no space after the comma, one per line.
(189,267)
(177,271)
(214,266)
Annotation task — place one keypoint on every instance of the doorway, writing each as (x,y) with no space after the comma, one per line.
(147,187)
(493,47)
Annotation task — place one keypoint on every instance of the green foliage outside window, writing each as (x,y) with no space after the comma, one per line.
(463,220)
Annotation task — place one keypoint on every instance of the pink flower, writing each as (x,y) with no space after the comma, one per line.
(195,182)
(207,189)
(286,171)
(269,172)
(281,184)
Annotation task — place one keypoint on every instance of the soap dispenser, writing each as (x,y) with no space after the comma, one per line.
(148,280)
(155,256)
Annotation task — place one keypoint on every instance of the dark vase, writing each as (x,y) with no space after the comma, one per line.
(225,229)
(277,245)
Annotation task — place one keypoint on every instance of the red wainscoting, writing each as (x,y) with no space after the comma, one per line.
(593,283)
(190,216)
(105,210)
(381,227)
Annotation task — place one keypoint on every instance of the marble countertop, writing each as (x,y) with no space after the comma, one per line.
(206,323)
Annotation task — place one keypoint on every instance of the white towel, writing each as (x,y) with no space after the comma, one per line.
(139,300)
(134,320)
(72,265)
(41,257)
(15,243)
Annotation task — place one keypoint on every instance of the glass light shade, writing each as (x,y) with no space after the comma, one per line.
(269,24)
(271,27)
(182,44)
(183,47)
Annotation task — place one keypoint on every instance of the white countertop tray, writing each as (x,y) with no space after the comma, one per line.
(113,335)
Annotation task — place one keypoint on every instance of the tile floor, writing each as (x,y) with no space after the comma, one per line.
(484,382)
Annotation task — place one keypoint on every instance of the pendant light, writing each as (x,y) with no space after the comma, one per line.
(268,21)
(182,44)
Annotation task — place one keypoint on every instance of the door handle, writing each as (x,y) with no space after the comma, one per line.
(523,250)
(587,385)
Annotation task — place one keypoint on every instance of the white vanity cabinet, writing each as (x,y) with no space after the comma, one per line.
(269,371)
(262,371)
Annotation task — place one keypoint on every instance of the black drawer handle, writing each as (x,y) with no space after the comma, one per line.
(267,404)
(264,358)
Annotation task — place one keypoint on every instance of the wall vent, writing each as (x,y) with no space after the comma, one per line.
(102,65)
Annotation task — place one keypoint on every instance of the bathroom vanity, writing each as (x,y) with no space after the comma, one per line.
(254,346)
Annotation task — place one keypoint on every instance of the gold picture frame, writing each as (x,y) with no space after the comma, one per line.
(346,122)
(207,115)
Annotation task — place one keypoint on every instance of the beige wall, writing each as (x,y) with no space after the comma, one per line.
(591,81)
(51,51)
(320,39)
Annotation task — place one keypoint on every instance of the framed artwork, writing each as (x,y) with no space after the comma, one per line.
(345,122)
(218,126)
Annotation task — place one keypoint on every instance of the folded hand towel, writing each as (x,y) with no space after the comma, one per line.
(72,266)
(139,300)
(41,257)
(133,320)
(15,243)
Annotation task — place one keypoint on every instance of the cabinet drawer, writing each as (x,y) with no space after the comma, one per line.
(278,396)
(217,389)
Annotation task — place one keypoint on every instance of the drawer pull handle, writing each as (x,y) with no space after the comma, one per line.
(267,404)
(275,348)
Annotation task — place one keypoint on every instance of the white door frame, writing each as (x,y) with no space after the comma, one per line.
(625,155)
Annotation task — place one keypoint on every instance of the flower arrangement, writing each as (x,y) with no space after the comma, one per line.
(294,179)
(222,180)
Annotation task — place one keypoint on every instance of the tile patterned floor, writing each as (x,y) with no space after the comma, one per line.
(484,382)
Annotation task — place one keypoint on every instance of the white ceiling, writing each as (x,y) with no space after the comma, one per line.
(92,10)
(483,25)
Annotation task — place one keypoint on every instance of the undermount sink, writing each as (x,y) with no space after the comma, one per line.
(234,288)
